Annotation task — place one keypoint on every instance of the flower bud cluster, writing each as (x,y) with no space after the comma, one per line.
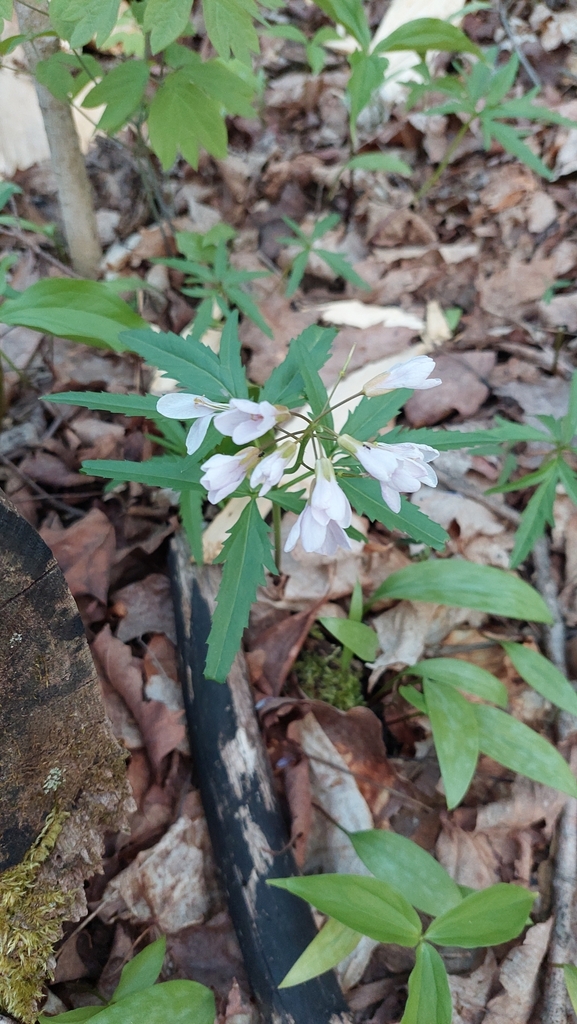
(320,527)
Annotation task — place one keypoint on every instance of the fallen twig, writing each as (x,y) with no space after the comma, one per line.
(565,872)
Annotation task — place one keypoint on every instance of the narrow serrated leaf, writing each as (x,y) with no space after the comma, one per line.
(188,361)
(373,414)
(365,496)
(285,385)
(534,519)
(245,555)
(160,471)
(232,370)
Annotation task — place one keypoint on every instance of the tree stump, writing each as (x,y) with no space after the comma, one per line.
(62,773)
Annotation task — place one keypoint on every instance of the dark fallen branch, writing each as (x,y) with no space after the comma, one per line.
(248,833)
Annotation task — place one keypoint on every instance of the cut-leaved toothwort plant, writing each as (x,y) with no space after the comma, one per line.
(277,442)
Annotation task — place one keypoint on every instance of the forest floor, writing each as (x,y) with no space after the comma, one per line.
(496,246)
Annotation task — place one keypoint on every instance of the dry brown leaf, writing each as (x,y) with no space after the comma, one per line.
(297,784)
(389,227)
(145,607)
(481,536)
(70,965)
(358,737)
(18,345)
(507,291)
(548,397)
(369,343)
(507,186)
(469,994)
(274,652)
(561,311)
(541,212)
(467,856)
(286,323)
(518,976)
(239,1011)
(49,470)
(528,804)
(405,630)
(122,720)
(463,390)
(398,283)
(161,727)
(210,954)
(167,884)
(85,552)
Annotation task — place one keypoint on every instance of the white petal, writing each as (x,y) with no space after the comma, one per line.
(335,538)
(294,534)
(197,434)
(182,407)
(227,421)
(249,430)
(391,497)
(312,532)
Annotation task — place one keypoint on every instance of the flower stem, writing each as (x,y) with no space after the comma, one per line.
(276,520)
(444,162)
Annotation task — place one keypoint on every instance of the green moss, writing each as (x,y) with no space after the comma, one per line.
(30,924)
(322,677)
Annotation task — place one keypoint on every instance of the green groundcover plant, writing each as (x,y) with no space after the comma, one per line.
(405,879)
(138,998)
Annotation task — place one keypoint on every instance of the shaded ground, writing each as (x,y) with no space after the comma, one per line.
(490,241)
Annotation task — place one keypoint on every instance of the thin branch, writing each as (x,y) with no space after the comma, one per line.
(516,45)
(55,502)
(500,509)
(561,949)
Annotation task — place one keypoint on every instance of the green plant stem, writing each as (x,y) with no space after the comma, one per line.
(276,522)
(444,162)
(346,657)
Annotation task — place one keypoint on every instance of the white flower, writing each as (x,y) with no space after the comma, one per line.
(322,523)
(244,420)
(399,468)
(412,374)
(224,473)
(180,406)
(269,471)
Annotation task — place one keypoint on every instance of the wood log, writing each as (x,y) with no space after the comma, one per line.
(249,837)
(62,773)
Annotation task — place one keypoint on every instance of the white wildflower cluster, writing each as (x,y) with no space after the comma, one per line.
(398,468)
